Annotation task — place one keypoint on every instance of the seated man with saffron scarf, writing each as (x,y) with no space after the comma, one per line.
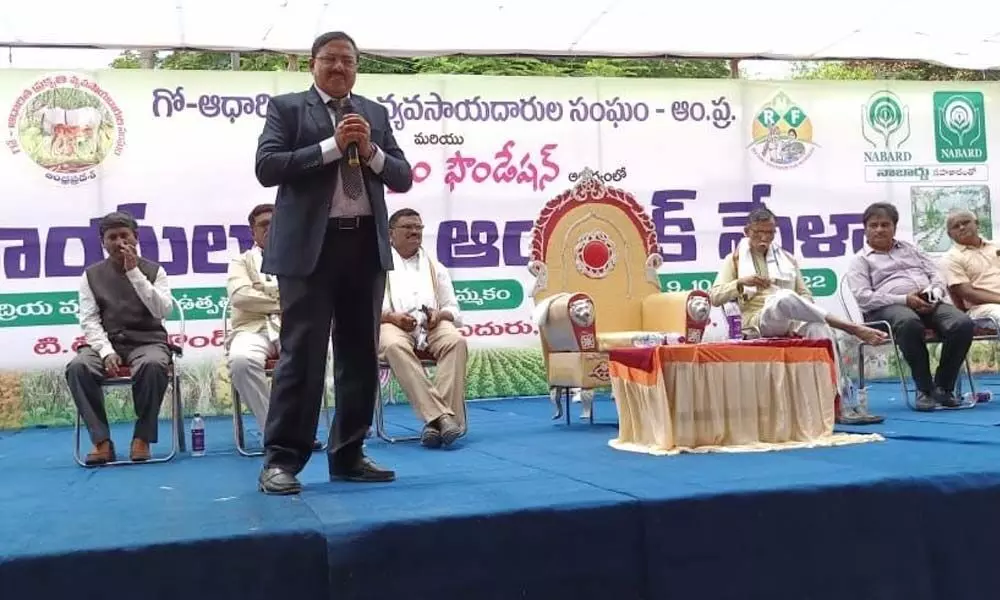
(420,312)
(766,283)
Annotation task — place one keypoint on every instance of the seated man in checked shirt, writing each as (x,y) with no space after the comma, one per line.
(895,281)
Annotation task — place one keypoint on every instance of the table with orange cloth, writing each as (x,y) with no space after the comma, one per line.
(757,395)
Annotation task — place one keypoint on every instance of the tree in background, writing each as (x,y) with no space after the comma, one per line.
(909,70)
(456,65)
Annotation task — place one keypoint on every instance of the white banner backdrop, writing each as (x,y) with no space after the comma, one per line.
(176,149)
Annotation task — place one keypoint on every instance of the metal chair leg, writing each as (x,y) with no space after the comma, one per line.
(178,400)
(569,397)
(176,419)
(326,419)
(238,429)
(971,402)
(380,430)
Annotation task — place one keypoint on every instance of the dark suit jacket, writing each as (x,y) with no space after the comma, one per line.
(289,156)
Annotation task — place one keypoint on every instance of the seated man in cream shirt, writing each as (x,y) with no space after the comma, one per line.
(766,283)
(420,311)
(256,319)
(972,267)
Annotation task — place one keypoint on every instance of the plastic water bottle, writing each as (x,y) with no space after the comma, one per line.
(848,394)
(862,400)
(735,320)
(646,340)
(198,436)
(979,397)
(735,326)
(672,338)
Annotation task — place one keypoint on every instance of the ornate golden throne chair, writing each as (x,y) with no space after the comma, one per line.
(595,258)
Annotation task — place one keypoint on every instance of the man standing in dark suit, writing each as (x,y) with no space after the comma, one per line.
(329,247)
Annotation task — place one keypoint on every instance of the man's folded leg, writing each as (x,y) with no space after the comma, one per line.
(786,312)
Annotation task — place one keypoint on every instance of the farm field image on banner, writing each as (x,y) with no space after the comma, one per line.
(176,149)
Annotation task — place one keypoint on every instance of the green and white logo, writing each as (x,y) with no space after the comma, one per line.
(885,124)
(960,127)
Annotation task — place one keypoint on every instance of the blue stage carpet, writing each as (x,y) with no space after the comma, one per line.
(525,508)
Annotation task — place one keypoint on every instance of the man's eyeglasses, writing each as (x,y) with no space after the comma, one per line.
(417,228)
(347,61)
(758,233)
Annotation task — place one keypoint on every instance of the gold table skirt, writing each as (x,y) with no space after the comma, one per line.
(750,396)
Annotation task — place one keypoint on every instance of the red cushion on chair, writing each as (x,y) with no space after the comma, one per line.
(125,372)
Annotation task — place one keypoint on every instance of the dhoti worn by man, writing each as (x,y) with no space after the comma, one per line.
(766,283)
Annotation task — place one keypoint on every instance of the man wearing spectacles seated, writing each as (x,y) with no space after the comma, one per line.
(896,282)
(766,283)
(256,319)
(972,267)
(420,313)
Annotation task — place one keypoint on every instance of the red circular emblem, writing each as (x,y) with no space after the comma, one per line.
(595,255)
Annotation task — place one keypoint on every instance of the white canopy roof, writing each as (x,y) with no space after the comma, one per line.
(959,33)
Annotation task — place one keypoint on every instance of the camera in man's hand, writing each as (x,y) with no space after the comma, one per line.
(419,333)
(932,295)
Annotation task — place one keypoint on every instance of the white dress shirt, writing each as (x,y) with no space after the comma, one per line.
(409,290)
(341,205)
(155,296)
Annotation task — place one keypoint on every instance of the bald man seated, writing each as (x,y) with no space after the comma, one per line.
(972,267)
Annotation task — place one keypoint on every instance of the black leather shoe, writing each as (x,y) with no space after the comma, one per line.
(364,470)
(278,482)
(450,431)
(947,399)
(926,402)
(430,437)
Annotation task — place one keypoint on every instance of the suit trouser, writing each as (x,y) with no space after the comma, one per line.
(429,400)
(248,354)
(951,325)
(786,312)
(149,366)
(344,293)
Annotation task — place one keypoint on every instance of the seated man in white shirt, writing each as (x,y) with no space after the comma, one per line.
(123,302)
(256,319)
(420,311)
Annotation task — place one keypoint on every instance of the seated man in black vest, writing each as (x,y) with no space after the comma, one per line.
(123,302)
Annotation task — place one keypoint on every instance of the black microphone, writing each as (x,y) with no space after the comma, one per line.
(347,108)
